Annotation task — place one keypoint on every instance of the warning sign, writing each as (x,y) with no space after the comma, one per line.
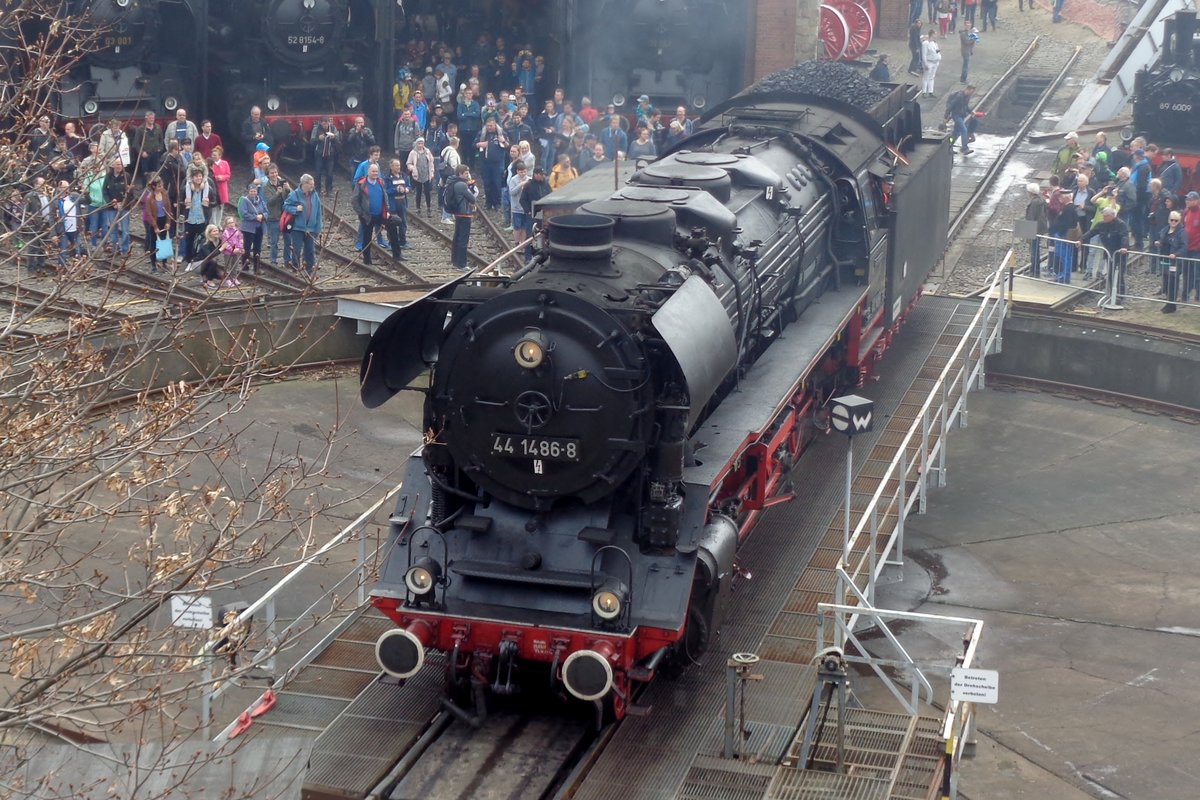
(975,685)
(191,611)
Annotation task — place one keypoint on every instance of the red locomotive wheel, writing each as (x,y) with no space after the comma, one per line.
(859,24)
(870,7)
(834,31)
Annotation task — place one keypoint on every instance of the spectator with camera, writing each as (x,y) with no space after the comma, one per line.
(326,144)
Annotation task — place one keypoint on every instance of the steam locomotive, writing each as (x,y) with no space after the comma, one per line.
(588,472)
(622,49)
(1167,96)
(298,60)
(141,56)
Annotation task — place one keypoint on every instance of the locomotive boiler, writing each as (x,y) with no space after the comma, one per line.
(1167,95)
(604,428)
(139,56)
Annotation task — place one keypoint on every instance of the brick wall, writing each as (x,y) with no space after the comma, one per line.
(784,32)
(773,33)
(892,21)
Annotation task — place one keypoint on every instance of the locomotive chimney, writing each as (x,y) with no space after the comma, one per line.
(583,237)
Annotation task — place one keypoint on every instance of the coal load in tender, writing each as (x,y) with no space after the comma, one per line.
(826,79)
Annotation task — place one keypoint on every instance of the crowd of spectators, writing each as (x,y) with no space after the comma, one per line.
(488,107)
(1125,198)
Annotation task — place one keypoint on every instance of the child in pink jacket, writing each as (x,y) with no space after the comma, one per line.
(232,248)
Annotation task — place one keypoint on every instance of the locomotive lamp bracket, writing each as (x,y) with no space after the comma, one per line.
(438,570)
(601,583)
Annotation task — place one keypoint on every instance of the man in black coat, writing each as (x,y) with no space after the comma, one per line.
(1113,234)
(460,195)
(255,129)
(535,190)
(914,46)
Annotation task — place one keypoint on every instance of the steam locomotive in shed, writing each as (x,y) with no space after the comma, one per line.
(141,55)
(1167,96)
(621,49)
(298,60)
(605,427)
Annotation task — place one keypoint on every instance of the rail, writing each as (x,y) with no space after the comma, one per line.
(330,600)
(997,165)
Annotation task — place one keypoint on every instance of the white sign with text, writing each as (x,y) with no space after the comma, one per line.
(975,685)
(191,611)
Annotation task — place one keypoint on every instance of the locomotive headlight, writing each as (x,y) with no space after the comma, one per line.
(170,102)
(531,349)
(309,4)
(273,103)
(123,3)
(423,576)
(91,107)
(699,101)
(606,604)
(352,101)
(618,100)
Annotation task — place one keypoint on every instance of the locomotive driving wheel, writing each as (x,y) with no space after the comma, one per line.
(834,31)
(860,26)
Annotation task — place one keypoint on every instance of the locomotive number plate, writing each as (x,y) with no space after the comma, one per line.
(549,448)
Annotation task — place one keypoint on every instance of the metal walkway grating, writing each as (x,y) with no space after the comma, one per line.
(796,784)
(719,779)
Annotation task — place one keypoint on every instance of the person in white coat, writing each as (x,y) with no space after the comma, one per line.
(114,143)
(931,54)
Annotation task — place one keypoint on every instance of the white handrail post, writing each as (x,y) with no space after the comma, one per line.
(206,697)
(271,641)
(872,557)
(362,564)
(924,477)
(903,510)
(942,439)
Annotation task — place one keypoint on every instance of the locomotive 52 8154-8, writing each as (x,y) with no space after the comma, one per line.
(604,429)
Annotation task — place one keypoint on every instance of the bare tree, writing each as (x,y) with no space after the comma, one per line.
(123,478)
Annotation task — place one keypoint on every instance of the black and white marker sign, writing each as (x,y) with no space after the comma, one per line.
(851,414)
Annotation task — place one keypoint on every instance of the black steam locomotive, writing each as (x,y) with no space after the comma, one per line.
(621,49)
(140,55)
(298,60)
(1167,95)
(587,479)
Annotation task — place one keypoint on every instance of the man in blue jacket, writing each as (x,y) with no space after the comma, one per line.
(470,122)
(371,205)
(304,204)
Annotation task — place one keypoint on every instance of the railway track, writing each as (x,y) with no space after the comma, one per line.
(510,755)
(1107,325)
(988,102)
(426,260)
